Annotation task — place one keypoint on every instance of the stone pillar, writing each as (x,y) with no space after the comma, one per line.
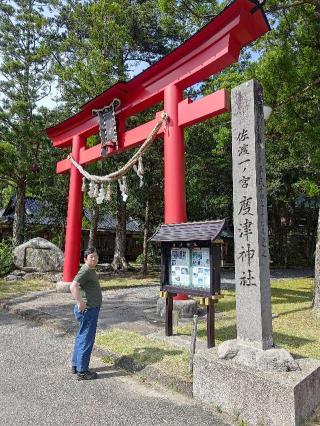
(252,273)
(262,384)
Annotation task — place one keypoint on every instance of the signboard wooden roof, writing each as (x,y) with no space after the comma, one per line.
(189,231)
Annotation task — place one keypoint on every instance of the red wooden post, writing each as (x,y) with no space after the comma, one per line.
(174,171)
(74,216)
(174,174)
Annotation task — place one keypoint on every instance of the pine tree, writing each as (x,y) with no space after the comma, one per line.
(25,80)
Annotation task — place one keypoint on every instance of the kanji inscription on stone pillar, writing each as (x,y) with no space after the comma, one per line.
(252,273)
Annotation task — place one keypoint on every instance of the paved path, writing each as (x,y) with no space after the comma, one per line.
(37,388)
(124,308)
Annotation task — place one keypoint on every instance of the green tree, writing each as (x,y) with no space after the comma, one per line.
(100,42)
(286,63)
(25,80)
(289,72)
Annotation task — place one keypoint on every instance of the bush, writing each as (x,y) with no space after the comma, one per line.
(6,260)
(154,255)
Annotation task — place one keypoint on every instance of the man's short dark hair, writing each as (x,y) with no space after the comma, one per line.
(89,250)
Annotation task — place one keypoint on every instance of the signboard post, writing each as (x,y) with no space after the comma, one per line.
(190,263)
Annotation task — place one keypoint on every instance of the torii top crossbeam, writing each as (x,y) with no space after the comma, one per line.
(206,53)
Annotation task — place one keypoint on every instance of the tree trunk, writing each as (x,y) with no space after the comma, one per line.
(94,226)
(277,236)
(316,298)
(19,214)
(62,234)
(144,268)
(119,261)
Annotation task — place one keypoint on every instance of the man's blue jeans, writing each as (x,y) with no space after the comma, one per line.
(86,334)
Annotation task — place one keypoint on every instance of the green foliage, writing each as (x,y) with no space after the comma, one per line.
(25,77)
(308,186)
(6,259)
(154,255)
(100,42)
(187,17)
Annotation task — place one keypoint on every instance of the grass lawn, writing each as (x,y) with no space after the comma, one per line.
(168,359)
(129,280)
(9,289)
(295,329)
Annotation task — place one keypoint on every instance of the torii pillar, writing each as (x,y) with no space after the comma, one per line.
(174,165)
(74,215)
(206,53)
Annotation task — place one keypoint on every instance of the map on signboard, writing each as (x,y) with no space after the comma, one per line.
(200,265)
(180,267)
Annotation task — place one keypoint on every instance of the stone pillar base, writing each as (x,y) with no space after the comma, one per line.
(273,359)
(184,308)
(63,287)
(254,396)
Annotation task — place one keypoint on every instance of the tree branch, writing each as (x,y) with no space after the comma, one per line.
(299,92)
(278,8)
(7,181)
(191,10)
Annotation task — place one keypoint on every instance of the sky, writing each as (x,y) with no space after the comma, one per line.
(50,103)
(137,68)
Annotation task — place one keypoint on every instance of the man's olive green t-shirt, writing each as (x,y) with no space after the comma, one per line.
(89,286)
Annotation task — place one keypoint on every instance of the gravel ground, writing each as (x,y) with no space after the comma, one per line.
(37,388)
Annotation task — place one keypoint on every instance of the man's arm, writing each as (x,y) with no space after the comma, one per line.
(75,291)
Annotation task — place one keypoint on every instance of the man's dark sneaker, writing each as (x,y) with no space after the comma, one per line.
(87,375)
(74,370)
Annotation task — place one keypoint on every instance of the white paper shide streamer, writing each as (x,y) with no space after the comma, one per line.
(96,183)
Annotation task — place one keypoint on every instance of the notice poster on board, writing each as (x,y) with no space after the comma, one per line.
(200,264)
(180,267)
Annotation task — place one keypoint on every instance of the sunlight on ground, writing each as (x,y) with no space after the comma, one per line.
(131,280)
(9,289)
(145,351)
(295,329)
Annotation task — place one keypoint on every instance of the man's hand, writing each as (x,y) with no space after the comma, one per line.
(75,291)
(82,305)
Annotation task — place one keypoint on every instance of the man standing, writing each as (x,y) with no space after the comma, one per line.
(86,290)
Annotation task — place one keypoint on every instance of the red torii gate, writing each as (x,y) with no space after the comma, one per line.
(209,51)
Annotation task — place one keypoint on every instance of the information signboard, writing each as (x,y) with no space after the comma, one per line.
(190,267)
